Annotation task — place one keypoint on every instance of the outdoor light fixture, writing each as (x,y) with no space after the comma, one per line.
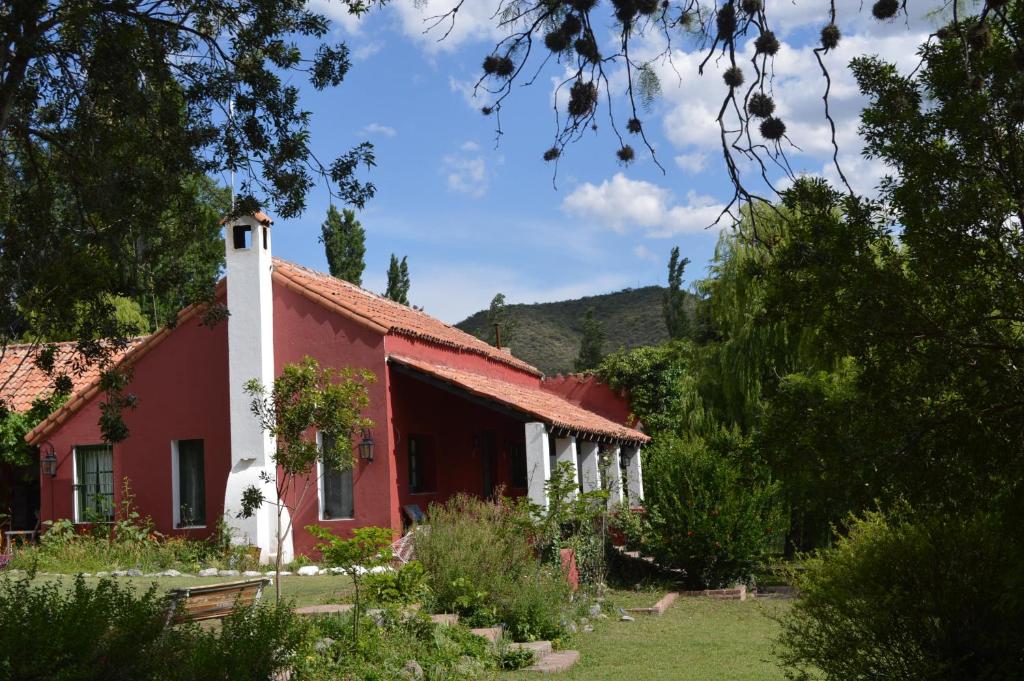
(366,445)
(48,462)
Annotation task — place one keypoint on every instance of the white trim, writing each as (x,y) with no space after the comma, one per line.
(74,486)
(176,488)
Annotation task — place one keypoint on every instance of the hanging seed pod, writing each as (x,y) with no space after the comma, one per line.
(766,43)
(830,37)
(486,110)
(551,154)
(647,7)
(582,99)
(625,10)
(760,105)
(586,47)
(752,6)
(626,154)
(571,25)
(733,76)
(773,128)
(634,126)
(942,33)
(726,21)
(583,5)
(490,64)
(885,9)
(557,41)
(979,37)
(505,67)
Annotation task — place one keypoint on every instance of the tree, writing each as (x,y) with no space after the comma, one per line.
(398,280)
(500,320)
(345,245)
(304,399)
(677,319)
(111,115)
(368,548)
(591,344)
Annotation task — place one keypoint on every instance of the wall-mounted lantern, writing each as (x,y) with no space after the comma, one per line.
(366,446)
(48,461)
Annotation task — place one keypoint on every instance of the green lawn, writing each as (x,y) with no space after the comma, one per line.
(302,590)
(697,639)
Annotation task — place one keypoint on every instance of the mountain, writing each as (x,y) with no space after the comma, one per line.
(548,334)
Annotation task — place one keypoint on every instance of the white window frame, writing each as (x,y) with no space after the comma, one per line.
(76,492)
(320,487)
(176,488)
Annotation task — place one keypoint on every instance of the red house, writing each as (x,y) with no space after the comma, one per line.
(451,413)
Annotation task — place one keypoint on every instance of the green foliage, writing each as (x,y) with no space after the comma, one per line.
(674,306)
(707,514)
(111,632)
(547,335)
(911,596)
(368,548)
(398,280)
(500,316)
(591,343)
(344,243)
(404,586)
(480,564)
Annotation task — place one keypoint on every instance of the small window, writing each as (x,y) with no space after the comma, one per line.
(191,478)
(335,488)
(94,483)
(242,236)
(517,461)
(421,464)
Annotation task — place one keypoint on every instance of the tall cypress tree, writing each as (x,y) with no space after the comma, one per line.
(499,317)
(398,280)
(673,306)
(592,344)
(344,243)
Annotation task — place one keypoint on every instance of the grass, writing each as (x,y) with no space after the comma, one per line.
(302,590)
(697,639)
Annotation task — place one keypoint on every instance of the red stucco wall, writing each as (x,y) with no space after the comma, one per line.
(303,328)
(417,349)
(591,394)
(455,426)
(181,387)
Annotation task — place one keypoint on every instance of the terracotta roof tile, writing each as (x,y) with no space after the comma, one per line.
(537,402)
(394,317)
(22,381)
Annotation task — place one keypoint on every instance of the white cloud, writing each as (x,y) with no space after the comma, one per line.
(338,12)
(467,171)
(623,205)
(367,50)
(378,129)
(644,253)
(424,22)
(692,163)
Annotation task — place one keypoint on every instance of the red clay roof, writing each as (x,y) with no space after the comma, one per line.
(22,381)
(392,317)
(538,402)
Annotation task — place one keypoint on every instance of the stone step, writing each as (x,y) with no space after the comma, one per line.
(328,609)
(492,634)
(555,662)
(446,618)
(539,648)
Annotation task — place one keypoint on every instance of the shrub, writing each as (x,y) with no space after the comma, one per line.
(911,596)
(404,586)
(707,514)
(480,564)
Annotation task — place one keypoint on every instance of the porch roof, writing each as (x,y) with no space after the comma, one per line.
(531,402)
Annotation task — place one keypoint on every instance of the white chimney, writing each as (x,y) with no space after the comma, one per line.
(251,355)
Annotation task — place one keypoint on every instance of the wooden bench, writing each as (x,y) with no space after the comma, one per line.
(213,601)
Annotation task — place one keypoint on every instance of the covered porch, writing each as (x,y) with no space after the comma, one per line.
(456,431)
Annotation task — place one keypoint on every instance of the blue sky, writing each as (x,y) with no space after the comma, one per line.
(476,218)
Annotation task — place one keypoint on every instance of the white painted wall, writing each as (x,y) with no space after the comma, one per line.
(251,355)
(565,452)
(589,458)
(538,462)
(634,476)
(613,474)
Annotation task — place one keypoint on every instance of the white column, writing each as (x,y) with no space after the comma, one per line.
(538,463)
(565,451)
(589,455)
(613,474)
(634,476)
(251,355)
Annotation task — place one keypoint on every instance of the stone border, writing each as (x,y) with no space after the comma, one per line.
(658,608)
(738,593)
